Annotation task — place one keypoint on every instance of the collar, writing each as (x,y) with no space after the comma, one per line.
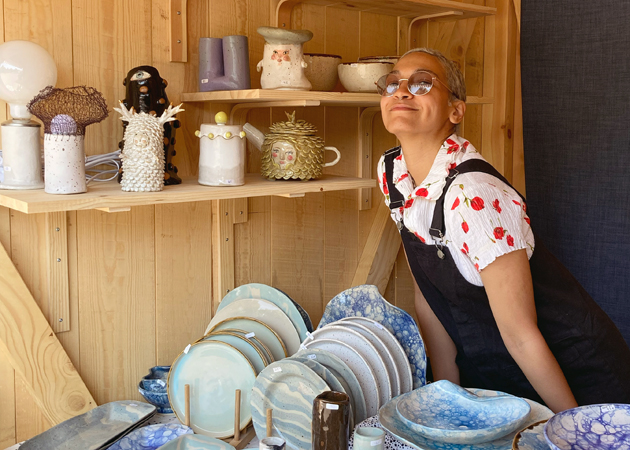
(449,156)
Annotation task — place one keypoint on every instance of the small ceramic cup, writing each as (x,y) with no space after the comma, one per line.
(331,421)
(272,443)
(367,438)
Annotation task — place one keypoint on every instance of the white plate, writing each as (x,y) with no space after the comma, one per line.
(266,312)
(261,330)
(214,370)
(362,345)
(396,350)
(381,348)
(359,367)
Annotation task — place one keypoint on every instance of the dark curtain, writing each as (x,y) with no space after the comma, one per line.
(576,118)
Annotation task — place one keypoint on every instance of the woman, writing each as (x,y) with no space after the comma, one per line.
(496,309)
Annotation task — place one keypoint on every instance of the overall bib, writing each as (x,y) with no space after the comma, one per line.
(588,346)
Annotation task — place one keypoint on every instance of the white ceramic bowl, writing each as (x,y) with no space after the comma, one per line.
(322,70)
(362,76)
(389,59)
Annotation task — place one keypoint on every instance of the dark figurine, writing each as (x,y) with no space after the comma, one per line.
(146,92)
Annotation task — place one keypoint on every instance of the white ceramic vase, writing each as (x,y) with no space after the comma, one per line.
(222,155)
(21,155)
(64,164)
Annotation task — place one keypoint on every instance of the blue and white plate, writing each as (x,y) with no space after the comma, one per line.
(531,438)
(366,301)
(273,295)
(151,437)
(341,370)
(392,422)
(289,389)
(197,442)
(445,412)
(602,427)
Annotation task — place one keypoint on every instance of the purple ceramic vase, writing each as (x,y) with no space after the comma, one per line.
(223,64)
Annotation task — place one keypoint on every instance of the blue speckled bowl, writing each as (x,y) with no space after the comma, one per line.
(445,412)
(602,427)
(153,388)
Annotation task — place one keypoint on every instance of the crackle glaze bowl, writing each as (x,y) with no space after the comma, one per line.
(322,70)
(602,427)
(153,388)
(445,412)
(362,76)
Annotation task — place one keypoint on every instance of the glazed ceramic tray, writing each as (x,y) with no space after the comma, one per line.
(391,421)
(151,437)
(95,429)
(289,389)
(366,301)
(214,370)
(196,442)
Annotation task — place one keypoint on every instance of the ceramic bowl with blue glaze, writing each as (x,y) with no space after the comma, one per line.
(153,388)
(445,412)
(602,427)
(151,437)
(157,399)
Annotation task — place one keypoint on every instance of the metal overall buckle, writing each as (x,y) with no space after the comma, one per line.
(439,243)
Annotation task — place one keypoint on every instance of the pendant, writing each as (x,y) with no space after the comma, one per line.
(440,254)
(399,225)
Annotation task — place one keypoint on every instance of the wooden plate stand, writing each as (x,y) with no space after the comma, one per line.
(241,437)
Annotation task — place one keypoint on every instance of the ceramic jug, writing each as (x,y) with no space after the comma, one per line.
(283,59)
(221,153)
(331,421)
(291,150)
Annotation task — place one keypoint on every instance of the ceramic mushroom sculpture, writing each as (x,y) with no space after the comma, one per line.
(283,59)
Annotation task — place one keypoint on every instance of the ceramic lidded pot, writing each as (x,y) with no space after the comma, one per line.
(291,150)
(330,429)
(222,153)
(321,70)
(283,61)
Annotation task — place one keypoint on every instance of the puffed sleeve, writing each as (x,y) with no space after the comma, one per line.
(486,218)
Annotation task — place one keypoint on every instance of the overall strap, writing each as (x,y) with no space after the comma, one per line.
(396,199)
(438,227)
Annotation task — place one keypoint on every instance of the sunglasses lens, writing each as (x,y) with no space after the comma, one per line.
(420,83)
(387,85)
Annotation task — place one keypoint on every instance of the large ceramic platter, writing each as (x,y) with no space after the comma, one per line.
(95,429)
(151,437)
(343,373)
(381,348)
(358,365)
(196,442)
(391,421)
(267,356)
(396,350)
(266,312)
(331,380)
(363,346)
(261,330)
(247,348)
(366,301)
(289,389)
(214,370)
(273,295)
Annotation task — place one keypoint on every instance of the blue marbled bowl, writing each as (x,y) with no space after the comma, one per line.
(151,437)
(153,388)
(445,412)
(602,427)
(157,399)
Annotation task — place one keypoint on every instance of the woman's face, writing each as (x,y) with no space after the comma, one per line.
(405,114)
(283,154)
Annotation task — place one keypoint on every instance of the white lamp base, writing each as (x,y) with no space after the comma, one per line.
(21,155)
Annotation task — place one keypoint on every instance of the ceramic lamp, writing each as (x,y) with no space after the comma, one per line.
(25,69)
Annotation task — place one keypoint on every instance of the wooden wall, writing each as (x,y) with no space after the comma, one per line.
(141,281)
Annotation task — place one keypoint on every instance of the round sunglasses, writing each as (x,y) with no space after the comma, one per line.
(419,83)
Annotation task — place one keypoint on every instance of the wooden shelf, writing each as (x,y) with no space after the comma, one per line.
(312,98)
(109,197)
(428,9)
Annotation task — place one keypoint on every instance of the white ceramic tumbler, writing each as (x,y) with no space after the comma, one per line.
(21,154)
(367,438)
(64,164)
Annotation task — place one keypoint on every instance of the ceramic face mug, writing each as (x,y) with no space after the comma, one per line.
(366,438)
(331,421)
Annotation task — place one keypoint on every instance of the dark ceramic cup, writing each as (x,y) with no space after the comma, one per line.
(331,421)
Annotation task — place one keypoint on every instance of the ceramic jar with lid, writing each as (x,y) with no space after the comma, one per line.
(222,153)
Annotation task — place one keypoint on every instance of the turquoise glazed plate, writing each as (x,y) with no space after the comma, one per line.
(261,330)
(392,422)
(196,442)
(366,301)
(341,370)
(264,292)
(246,347)
(289,389)
(214,370)
(445,412)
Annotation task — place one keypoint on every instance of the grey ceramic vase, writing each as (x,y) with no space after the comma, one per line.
(223,64)
(331,421)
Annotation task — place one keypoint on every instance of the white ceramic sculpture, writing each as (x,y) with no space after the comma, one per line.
(143,151)
(65,164)
(283,59)
(222,153)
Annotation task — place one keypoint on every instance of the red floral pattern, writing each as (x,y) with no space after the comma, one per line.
(465,249)
(495,205)
(422,192)
(455,204)
(510,240)
(476,203)
(499,232)
(408,203)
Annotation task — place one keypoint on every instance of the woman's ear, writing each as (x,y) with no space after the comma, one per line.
(458,111)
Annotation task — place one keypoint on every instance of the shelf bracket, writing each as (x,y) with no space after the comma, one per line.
(415,23)
(177,31)
(282,12)
(366,120)
(57,262)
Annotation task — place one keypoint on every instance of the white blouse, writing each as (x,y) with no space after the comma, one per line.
(484,217)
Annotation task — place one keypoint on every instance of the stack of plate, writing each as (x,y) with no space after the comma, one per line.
(254,326)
